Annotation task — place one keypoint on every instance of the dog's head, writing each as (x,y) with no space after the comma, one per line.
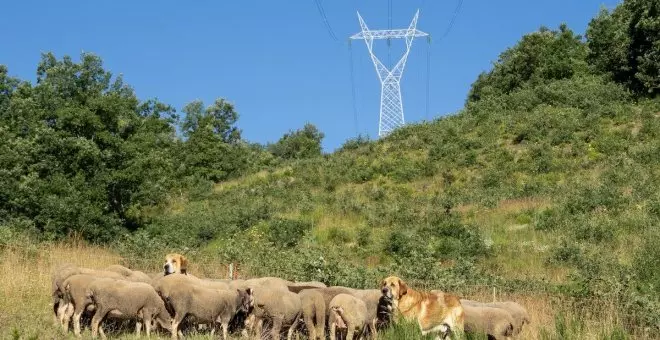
(175,263)
(393,287)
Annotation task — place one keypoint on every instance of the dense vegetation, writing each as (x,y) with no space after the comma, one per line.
(547,180)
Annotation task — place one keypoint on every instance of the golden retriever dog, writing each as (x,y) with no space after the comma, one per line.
(437,313)
(175,263)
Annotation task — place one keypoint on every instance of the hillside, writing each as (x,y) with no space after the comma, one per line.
(544,188)
(558,197)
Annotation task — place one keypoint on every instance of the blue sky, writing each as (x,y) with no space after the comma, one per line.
(275,60)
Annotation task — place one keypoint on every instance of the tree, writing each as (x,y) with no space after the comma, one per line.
(213,149)
(218,119)
(304,143)
(625,44)
(79,153)
(7,87)
(539,57)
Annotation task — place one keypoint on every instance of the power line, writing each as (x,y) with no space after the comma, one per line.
(453,19)
(324,17)
(353,95)
(428,76)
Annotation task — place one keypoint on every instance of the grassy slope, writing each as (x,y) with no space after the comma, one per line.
(541,195)
(579,174)
(27,314)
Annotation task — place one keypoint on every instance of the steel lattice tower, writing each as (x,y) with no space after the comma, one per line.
(391,105)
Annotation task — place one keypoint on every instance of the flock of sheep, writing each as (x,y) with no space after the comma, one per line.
(267,307)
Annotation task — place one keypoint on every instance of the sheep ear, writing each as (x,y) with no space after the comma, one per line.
(184,265)
(403,288)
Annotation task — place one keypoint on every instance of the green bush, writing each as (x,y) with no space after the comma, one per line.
(363,236)
(647,264)
(566,253)
(399,243)
(338,235)
(286,233)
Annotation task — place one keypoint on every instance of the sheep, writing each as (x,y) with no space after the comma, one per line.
(518,312)
(371,298)
(297,287)
(159,276)
(130,275)
(277,306)
(329,293)
(212,284)
(75,296)
(119,269)
(268,282)
(497,323)
(137,300)
(313,313)
(58,277)
(183,297)
(350,313)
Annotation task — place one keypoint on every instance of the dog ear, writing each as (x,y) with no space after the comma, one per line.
(403,288)
(184,265)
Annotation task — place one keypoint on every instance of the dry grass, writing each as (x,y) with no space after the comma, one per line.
(25,294)
(25,302)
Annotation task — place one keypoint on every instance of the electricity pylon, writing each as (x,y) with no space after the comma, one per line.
(391,105)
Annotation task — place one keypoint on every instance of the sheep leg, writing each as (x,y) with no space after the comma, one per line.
(147,325)
(372,329)
(66,316)
(350,330)
(277,327)
(311,328)
(175,324)
(61,311)
(225,329)
(57,303)
(138,328)
(56,306)
(293,327)
(76,322)
(333,330)
(258,328)
(96,321)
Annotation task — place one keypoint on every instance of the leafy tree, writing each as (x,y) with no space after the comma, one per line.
(304,143)
(213,149)
(80,153)
(625,44)
(7,87)
(539,57)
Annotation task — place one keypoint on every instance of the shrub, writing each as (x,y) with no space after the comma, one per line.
(646,264)
(338,235)
(286,232)
(566,253)
(363,236)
